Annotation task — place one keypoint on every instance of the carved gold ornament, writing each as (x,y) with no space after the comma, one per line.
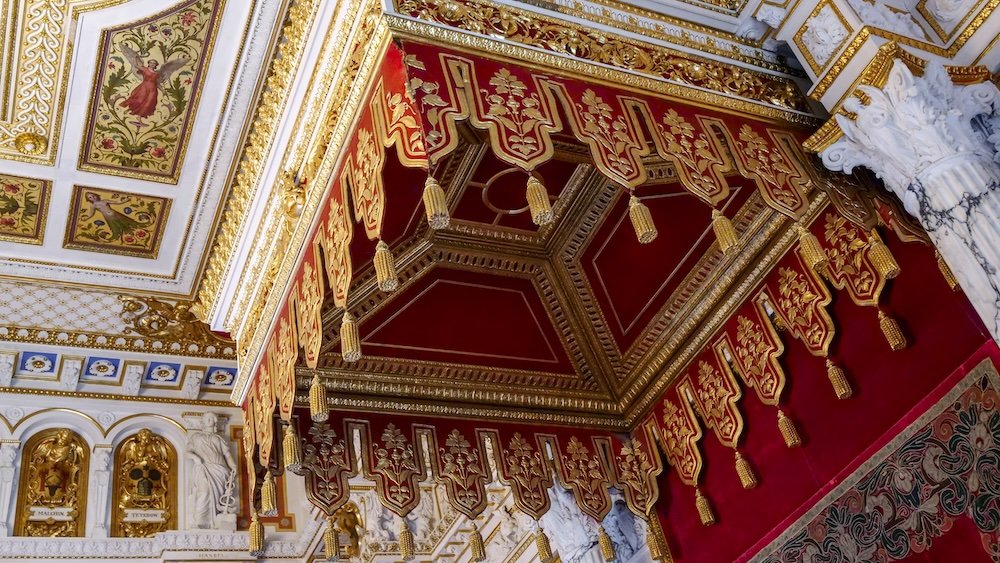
(145,486)
(153,318)
(31,144)
(52,495)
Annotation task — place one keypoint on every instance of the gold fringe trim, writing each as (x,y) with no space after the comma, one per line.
(268,497)
(885,263)
(256,533)
(538,202)
(331,540)
(477,547)
(318,409)
(350,341)
(949,276)
(705,513)
(406,549)
(543,546)
(745,472)
(291,448)
(435,204)
(788,430)
(893,334)
(642,221)
(725,233)
(812,251)
(385,268)
(607,548)
(838,379)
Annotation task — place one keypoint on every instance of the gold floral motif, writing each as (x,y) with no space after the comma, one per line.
(801,304)
(716,396)
(637,477)
(264,414)
(588,478)
(850,267)
(528,476)
(336,243)
(396,471)
(366,183)
(757,353)
(145,486)
(436,113)
(613,140)
(681,432)
(327,464)
(698,165)
(52,496)
(485,18)
(308,305)
(464,475)
(285,352)
(766,163)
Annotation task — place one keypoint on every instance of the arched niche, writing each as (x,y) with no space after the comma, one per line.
(52,490)
(144,494)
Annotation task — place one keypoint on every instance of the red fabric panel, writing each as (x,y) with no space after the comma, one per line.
(944,333)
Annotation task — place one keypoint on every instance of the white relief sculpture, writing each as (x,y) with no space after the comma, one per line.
(211,488)
(14,414)
(947,13)
(771,15)
(102,475)
(192,383)
(132,380)
(571,532)
(823,35)
(69,377)
(878,14)
(620,524)
(6,368)
(933,144)
(8,452)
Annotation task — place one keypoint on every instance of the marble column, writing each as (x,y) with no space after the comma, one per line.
(102,496)
(934,144)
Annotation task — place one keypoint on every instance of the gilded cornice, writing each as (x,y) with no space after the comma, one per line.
(353,58)
(263,130)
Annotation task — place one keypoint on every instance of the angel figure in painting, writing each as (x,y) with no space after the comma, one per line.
(142,101)
(118,223)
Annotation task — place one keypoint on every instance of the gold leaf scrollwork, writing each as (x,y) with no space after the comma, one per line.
(153,318)
(52,496)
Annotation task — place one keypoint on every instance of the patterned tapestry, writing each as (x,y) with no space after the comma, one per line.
(944,466)
(148,81)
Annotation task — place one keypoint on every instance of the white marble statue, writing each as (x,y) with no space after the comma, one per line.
(572,533)
(880,15)
(620,524)
(934,144)
(949,12)
(211,491)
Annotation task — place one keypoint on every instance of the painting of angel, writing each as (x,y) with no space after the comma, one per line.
(116,222)
(142,101)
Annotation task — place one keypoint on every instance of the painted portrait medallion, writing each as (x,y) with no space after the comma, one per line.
(23,203)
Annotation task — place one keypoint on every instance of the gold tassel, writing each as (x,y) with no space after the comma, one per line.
(949,276)
(655,539)
(704,508)
(838,379)
(256,536)
(350,341)
(882,258)
(268,497)
(476,545)
(725,233)
(538,202)
(812,251)
(745,472)
(291,448)
(642,221)
(318,410)
(788,430)
(385,268)
(331,540)
(406,550)
(893,334)
(607,548)
(543,546)
(435,204)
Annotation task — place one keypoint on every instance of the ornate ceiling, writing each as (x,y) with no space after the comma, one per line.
(119,123)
